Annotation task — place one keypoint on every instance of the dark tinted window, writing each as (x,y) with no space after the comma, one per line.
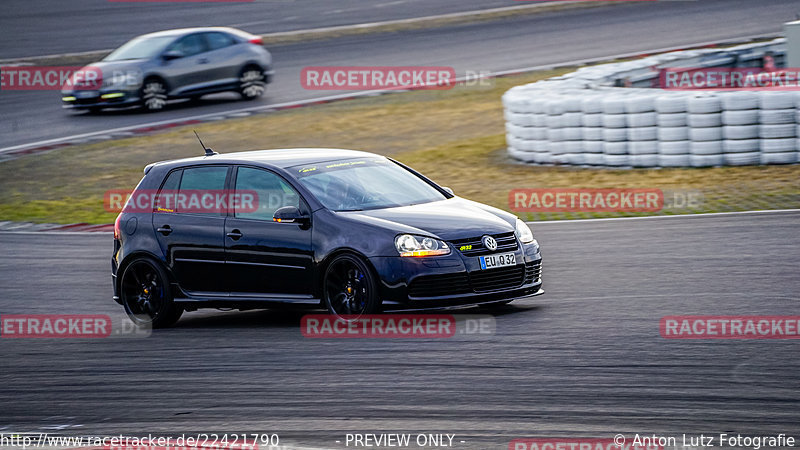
(189,45)
(218,40)
(199,181)
(165,201)
(271,192)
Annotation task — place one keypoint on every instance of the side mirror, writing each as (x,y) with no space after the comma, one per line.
(170,55)
(448,190)
(290,214)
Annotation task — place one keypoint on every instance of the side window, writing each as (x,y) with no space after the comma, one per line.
(270,190)
(199,187)
(218,40)
(165,201)
(189,45)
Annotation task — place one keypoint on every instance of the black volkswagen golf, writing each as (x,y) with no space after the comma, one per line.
(350,231)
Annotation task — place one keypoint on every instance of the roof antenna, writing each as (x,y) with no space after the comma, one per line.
(209,152)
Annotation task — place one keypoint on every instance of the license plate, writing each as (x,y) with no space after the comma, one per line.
(499,260)
(86,94)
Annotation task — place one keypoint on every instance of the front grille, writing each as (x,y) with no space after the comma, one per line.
(498,279)
(479,281)
(533,272)
(439,285)
(506,242)
(87,101)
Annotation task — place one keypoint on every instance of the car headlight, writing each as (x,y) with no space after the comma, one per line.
(523,232)
(410,245)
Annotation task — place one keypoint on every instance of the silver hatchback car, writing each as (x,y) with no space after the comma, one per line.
(185,63)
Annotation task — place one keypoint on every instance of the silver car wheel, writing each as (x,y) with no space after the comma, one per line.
(154,95)
(251,84)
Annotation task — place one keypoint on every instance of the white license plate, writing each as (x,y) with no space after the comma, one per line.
(499,260)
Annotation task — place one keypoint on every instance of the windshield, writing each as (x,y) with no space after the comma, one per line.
(360,184)
(140,48)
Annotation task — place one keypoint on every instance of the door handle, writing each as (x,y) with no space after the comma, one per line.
(202,61)
(235,235)
(165,230)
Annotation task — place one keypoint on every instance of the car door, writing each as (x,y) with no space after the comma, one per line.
(224,58)
(191,70)
(191,236)
(267,258)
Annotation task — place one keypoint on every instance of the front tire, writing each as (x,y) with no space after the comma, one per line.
(252,83)
(349,288)
(154,95)
(146,296)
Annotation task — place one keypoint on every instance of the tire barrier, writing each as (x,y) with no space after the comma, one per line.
(581,119)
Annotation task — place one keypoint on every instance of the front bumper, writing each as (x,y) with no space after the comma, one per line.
(103,98)
(456,280)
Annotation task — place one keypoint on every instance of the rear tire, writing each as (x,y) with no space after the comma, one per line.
(349,288)
(146,295)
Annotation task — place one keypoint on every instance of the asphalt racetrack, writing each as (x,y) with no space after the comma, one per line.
(585,359)
(552,38)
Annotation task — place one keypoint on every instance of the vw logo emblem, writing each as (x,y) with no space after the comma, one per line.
(489,243)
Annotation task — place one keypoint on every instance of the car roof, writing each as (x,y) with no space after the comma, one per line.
(282,158)
(183,31)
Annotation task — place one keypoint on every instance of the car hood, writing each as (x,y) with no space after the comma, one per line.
(108,70)
(451,219)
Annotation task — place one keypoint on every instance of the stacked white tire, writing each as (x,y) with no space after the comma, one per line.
(572,133)
(593,139)
(580,119)
(673,132)
(778,131)
(555,130)
(705,131)
(740,122)
(642,130)
(615,132)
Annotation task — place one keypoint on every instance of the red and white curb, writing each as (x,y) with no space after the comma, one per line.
(19,227)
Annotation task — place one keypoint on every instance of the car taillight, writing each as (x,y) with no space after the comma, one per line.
(116,227)
(256,40)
